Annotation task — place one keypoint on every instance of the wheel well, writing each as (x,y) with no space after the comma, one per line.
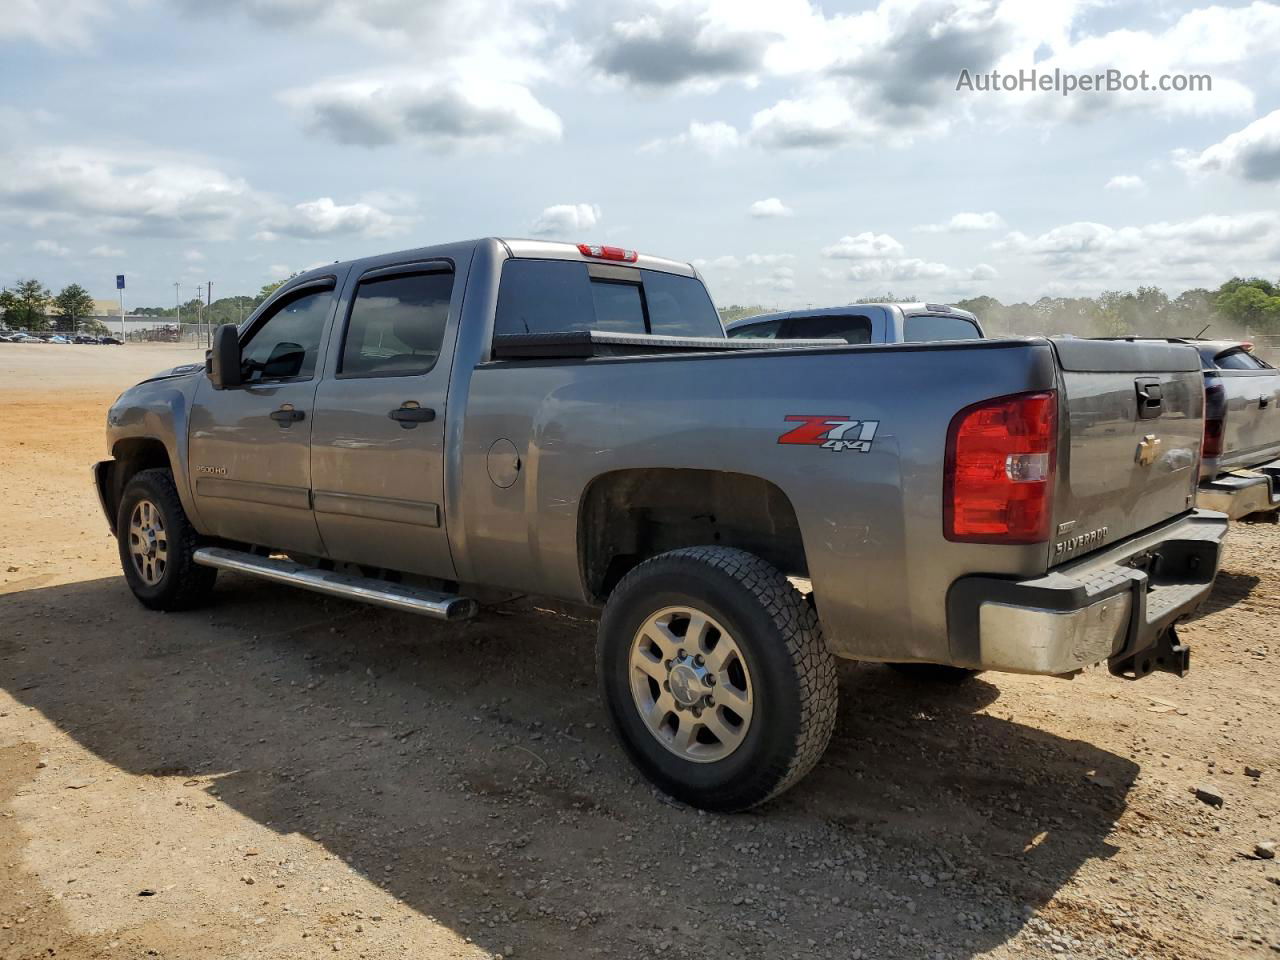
(630,515)
(132,455)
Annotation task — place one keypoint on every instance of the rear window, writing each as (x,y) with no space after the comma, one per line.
(851,329)
(932,327)
(553,296)
(1239,360)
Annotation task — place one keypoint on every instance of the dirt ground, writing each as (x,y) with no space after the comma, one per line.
(282,775)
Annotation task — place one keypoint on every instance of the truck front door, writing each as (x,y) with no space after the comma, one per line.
(377,444)
(250,445)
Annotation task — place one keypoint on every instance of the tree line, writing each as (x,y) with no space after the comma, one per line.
(1241,304)
(31,306)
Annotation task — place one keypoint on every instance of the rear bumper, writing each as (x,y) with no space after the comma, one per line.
(1119,605)
(1242,492)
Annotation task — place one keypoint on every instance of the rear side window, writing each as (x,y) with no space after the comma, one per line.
(554,296)
(757,331)
(930,327)
(854,329)
(1239,360)
(396,325)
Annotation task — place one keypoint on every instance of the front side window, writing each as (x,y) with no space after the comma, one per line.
(396,327)
(286,345)
(930,327)
(851,329)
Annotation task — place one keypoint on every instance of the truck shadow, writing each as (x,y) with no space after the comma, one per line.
(467,769)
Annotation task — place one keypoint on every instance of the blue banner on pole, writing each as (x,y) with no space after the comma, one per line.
(119,281)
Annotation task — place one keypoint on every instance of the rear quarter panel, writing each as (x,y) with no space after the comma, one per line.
(871,521)
(1252,429)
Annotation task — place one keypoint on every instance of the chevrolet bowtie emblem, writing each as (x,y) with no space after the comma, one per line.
(1148,449)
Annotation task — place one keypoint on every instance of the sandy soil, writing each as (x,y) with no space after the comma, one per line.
(282,775)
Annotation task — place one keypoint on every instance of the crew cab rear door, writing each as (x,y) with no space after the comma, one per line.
(377,443)
(1134,417)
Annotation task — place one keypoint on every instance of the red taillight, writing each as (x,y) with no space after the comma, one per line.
(1001,455)
(601,252)
(1215,410)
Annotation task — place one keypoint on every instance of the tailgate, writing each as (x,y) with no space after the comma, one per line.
(1252,424)
(1133,414)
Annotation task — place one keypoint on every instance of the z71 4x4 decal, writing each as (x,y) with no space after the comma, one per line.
(831,432)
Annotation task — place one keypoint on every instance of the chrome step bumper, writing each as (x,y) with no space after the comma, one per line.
(396,596)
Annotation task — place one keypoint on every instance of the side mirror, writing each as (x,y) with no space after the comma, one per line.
(224,358)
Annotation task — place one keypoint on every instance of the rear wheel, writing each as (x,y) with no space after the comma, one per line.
(716,677)
(156,541)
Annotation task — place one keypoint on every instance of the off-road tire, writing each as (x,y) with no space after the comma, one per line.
(793,675)
(939,673)
(183,584)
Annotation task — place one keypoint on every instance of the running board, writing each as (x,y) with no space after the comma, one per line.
(396,596)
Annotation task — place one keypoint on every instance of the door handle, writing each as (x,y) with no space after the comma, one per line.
(409,414)
(287,415)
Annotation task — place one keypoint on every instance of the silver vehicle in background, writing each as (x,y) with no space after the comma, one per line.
(863,323)
(570,421)
(1240,471)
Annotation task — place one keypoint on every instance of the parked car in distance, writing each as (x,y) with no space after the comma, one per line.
(571,422)
(24,338)
(58,338)
(863,323)
(111,340)
(84,338)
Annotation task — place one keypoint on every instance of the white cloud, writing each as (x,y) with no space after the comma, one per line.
(907,268)
(437,113)
(99,191)
(563,219)
(712,138)
(1127,183)
(324,218)
(66,23)
(1164,252)
(105,252)
(769,259)
(51,248)
(771,207)
(1250,154)
(864,246)
(966,223)
(192,256)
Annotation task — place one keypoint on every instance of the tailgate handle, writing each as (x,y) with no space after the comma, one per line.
(1264,402)
(1150,399)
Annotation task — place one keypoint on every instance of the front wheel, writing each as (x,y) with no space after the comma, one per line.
(716,677)
(156,542)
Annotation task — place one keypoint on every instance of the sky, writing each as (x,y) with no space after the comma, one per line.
(796,152)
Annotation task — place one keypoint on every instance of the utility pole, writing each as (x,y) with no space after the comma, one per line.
(177,307)
(209,314)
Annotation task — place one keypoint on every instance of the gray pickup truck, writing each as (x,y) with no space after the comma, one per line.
(570,421)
